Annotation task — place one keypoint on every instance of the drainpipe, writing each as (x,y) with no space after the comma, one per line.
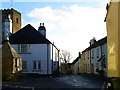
(90,63)
(52,57)
(47,61)
(58,61)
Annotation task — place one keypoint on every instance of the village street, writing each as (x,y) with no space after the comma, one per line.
(69,82)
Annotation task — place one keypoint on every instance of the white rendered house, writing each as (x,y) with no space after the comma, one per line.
(38,53)
(98,55)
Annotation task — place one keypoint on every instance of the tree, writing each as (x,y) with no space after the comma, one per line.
(66,56)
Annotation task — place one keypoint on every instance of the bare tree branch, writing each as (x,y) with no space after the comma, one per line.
(66,55)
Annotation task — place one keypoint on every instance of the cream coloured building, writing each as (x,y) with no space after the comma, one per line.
(113,37)
(94,57)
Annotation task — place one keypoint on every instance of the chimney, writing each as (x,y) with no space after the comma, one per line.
(79,55)
(92,41)
(42,29)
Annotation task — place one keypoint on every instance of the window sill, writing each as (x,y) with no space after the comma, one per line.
(25,53)
(24,70)
(36,70)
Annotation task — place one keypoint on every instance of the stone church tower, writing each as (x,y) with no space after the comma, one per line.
(15,17)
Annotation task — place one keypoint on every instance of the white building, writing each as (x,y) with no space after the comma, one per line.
(38,53)
(98,50)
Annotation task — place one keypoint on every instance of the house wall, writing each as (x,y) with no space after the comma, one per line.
(112,23)
(86,61)
(81,64)
(54,53)
(94,60)
(106,59)
(89,60)
(38,52)
(75,67)
(7,67)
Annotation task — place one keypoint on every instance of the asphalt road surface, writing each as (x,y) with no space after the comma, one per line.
(64,82)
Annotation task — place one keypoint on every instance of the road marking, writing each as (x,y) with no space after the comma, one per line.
(75,80)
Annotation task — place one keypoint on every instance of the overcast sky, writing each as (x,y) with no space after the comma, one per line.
(70,25)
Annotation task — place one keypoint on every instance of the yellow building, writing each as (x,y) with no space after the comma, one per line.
(113,38)
(94,58)
(81,64)
(11,61)
(113,43)
(84,64)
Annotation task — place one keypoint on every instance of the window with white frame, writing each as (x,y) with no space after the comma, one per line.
(36,65)
(88,54)
(93,53)
(24,65)
(103,50)
(97,52)
(17,62)
(25,48)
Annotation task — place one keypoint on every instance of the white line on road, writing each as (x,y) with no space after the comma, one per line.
(75,80)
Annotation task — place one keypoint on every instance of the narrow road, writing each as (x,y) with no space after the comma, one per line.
(81,81)
(71,82)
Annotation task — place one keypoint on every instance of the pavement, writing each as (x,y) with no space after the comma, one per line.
(71,82)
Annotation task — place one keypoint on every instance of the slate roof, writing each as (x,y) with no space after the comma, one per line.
(7,50)
(77,59)
(97,43)
(28,35)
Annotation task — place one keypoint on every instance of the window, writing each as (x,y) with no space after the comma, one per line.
(25,48)
(97,52)
(17,62)
(93,53)
(97,65)
(24,65)
(36,65)
(39,65)
(103,50)
(16,20)
(84,55)
(88,54)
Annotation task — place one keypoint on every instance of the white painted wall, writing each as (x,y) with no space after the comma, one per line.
(54,56)
(38,52)
(95,59)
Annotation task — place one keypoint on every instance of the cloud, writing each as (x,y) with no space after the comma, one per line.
(70,27)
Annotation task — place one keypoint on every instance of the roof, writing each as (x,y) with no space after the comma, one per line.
(107,8)
(7,50)
(28,35)
(97,43)
(77,59)
(9,10)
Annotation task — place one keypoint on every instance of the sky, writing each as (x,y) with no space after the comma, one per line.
(70,25)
